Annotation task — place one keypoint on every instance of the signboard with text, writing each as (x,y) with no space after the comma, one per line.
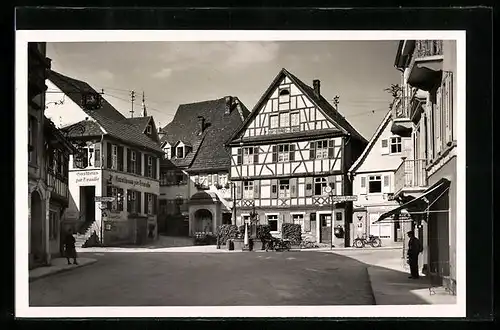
(338,199)
(84,177)
(103,199)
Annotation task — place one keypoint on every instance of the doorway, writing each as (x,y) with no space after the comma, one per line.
(37,224)
(203,221)
(326,228)
(87,204)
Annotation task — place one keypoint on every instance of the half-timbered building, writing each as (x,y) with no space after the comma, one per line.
(292,146)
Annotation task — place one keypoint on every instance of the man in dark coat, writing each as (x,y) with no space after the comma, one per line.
(414,249)
(69,247)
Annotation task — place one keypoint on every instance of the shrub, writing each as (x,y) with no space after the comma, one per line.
(204,239)
(292,231)
(306,244)
(264,232)
(241,231)
(225,232)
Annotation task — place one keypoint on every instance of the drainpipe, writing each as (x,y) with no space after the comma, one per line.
(101,229)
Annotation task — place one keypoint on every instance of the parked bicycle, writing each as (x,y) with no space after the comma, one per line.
(361,242)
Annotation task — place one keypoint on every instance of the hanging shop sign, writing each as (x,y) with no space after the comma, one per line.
(87,176)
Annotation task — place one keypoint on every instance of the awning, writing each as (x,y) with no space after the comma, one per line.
(420,204)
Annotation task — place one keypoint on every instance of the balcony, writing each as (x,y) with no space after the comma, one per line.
(59,184)
(410,177)
(426,64)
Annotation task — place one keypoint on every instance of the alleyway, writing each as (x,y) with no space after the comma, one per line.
(191,279)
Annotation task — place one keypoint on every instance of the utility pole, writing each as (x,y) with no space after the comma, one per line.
(144,113)
(132,98)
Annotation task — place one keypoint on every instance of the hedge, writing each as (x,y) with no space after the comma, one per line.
(264,232)
(225,232)
(292,231)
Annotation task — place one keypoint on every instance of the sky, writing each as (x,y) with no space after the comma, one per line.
(171,73)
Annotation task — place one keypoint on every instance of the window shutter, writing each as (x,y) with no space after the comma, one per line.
(363,185)
(120,158)
(256,189)
(97,155)
(109,161)
(307,223)
(138,196)
(209,180)
(154,167)
(129,157)
(309,186)
(239,191)
(138,160)
(275,154)
(274,188)
(385,146)
(437,110)
(331,182)
(293,187)
(292,152)
(386,187)
(312,150)
(430,137)
(448,99)
(256,155)
(240,156)
(330,149)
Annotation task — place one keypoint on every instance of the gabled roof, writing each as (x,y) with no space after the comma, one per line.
(140,122)
(208,149)
(328,110)
(84,128)
(110,119)
(387,119)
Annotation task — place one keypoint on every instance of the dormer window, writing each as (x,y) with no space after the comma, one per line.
(167,151)
(180,152)
(149,129)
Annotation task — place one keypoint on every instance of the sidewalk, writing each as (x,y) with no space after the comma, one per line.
(58,265)
(388,274)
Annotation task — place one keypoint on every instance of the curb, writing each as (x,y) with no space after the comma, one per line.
(63,270)
(371,285)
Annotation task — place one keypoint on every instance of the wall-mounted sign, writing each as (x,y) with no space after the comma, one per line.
(87,176)
(134,182)
(344,198)
(103,199)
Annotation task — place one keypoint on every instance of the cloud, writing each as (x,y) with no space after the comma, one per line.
(163,73)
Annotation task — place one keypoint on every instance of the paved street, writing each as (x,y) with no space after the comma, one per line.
(191,279)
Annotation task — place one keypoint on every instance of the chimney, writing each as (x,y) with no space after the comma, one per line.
(201,123)
(161,133)
(229,104)
(316,87)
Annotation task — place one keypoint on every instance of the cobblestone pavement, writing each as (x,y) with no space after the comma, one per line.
(197,279)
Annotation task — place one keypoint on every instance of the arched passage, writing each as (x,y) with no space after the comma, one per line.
(36,242)
(203,221)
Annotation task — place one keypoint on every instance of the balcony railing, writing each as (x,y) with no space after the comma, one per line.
(410,174)
(425,48)
(60,186)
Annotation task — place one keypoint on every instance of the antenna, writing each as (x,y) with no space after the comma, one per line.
(336,101)
(132,98)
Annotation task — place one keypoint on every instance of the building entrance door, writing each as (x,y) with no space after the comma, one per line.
(326,228)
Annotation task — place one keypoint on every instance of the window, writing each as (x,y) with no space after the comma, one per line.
(149,129)
(338,216)
(203,180)
(283,153)
(223,179)
(133,202)
(284,119)
(150,167)
(114,157)
(299,220)
(89,155)
(248,189)
(284,191)
(272,221)
(245,218)
(133,162)
(180,152)
(294,118)
(374,184)
(149,205)
(284,95)
(319,186)
(322,149)
(274,121)
(396,145)
(31,139)
(53,225)
(167,151)
(248,155)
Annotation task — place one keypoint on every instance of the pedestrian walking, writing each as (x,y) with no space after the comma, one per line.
(414,249)
(69,247)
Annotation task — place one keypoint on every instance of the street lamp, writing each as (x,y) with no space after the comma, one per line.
(329,191)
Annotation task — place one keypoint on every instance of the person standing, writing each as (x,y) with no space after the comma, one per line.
(414,249)
(69,247)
